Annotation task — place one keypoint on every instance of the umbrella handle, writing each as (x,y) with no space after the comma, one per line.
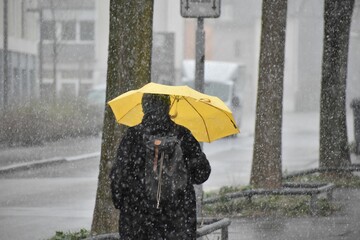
(176,105)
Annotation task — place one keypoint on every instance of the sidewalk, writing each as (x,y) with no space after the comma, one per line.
(52,152)
(342,225)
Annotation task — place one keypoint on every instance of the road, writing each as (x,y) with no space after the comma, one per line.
(34,204)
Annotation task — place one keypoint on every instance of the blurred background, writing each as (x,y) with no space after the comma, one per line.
(53,60)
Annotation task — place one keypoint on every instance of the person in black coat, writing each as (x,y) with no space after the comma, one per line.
(139,220)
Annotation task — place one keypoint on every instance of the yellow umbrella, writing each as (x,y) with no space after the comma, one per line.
(207,117)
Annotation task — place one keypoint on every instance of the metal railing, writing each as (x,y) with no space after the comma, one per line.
(212,225)
(310,189)
(209,226)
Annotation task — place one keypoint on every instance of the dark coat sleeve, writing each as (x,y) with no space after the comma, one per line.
(120,170)
(198,165)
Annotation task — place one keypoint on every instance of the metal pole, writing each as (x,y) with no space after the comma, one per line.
(5,56)
(200,55)
(199,86)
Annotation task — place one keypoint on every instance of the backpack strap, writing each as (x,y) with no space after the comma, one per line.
(157,142)
(158,193)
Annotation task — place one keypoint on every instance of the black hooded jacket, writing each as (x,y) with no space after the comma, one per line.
(137,219)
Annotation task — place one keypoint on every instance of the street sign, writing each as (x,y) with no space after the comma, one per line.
(200,8)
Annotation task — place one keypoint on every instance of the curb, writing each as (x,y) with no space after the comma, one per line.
(82,156)
(45,162)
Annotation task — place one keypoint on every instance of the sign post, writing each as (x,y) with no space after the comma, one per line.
(200,56)
(200,9)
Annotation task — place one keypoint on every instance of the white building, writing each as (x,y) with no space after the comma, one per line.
(21,52)
(68,34)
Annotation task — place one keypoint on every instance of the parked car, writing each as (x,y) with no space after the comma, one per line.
(96,95)
(222,79)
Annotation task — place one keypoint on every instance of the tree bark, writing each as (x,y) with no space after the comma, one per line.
(266,169)
(129,67)
(334,150)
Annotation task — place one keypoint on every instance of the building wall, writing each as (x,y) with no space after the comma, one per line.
(101,40)
(21,52)
(168,21)
(353,84)
(71,49)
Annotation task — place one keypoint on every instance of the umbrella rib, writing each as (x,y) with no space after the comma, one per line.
(225,115)
(206,128)
(127,112)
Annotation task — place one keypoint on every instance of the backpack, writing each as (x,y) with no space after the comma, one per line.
(165,171)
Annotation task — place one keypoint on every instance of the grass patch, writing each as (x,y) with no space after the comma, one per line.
(82,234)
(341,181)
(260,206)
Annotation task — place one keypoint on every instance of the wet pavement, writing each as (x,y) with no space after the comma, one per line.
(342,225)
(26,215)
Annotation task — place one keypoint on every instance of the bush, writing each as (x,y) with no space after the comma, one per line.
(37,122)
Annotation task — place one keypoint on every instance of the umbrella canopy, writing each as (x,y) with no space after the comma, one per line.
(207,117)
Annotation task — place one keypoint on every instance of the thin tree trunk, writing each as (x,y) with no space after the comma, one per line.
(334,150)
(6,84)
(129,64)
(266,169)
(54,52)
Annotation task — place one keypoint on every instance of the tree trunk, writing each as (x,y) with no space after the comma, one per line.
(334,150)
(129,64)
(266,169)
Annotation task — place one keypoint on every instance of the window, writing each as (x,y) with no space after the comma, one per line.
(32,82)
(47,74)
(47,91)
(87,30)
(68,90)
(48,30)
(17,84)
(76,74)
(237,48)
(68,74)
(86,74)
(68,30)
(84,89)
(25,84)
(16,75)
